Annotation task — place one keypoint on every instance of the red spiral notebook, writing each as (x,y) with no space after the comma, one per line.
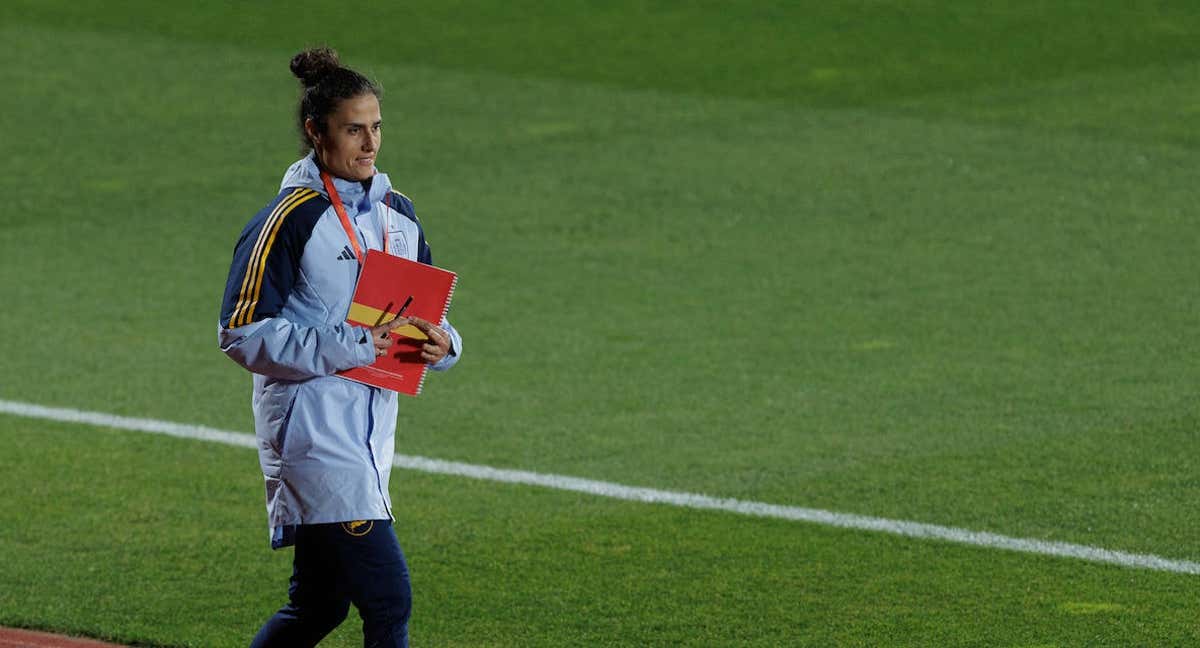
(391,286)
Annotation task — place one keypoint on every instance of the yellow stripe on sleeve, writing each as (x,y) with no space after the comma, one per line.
(244,293)
(252,282)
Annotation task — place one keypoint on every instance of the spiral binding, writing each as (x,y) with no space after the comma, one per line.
(445,310)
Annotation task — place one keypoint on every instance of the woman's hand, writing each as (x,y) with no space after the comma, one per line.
(379,335)
(438,344)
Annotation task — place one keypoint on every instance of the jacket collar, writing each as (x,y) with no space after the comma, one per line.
(305,173)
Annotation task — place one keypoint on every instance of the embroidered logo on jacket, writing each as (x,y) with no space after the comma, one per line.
(398,245)
(347,254)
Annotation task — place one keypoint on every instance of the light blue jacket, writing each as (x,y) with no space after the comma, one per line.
(325,443)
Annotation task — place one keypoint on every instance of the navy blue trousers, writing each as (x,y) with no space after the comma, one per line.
(337,565)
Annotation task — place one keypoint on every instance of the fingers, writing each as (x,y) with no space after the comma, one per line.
(382,329)
(423,325)
(436,334)
(432,353)
(382,345)
(439,341)
(380,337)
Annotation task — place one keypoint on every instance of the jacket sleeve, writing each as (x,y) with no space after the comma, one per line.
(266,264)
(281,349)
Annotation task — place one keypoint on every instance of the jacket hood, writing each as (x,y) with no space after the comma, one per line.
(305,173)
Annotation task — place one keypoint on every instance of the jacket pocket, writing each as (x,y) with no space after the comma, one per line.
(277,402)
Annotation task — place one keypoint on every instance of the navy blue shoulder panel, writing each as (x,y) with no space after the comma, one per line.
(266,259)
(400,203)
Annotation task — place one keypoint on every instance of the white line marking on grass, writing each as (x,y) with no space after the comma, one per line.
(648,495)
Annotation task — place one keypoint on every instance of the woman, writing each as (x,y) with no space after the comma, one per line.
(325,443)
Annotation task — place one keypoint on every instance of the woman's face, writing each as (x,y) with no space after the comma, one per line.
(348,146)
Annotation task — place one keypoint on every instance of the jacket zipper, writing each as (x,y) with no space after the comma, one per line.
(371,452)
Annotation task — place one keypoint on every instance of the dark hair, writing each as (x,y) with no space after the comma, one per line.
(325,84)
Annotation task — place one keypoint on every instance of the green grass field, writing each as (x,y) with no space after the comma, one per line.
(930,261)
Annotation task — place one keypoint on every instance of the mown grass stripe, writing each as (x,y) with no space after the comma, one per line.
(647,495)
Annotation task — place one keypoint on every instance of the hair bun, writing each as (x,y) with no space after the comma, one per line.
(312,65)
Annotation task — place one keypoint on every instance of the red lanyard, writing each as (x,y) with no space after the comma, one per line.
(341,212)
